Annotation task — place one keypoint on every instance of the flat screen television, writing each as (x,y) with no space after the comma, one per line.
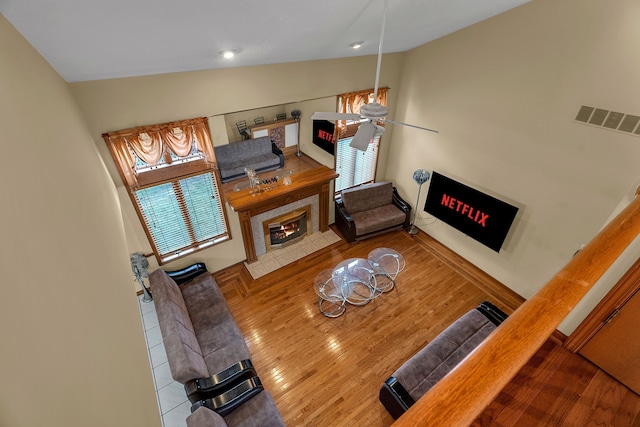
(476,214)
(323,135)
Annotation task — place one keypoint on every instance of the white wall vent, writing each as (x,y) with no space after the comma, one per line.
(607,119)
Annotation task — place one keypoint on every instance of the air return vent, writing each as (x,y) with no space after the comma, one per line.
(614,120)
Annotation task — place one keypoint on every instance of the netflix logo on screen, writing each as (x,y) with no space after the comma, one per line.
(323,135)
(476,214)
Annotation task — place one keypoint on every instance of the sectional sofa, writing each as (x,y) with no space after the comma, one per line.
(207,352)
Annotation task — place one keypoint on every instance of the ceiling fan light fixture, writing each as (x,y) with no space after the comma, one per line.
(373,110)
(228,53)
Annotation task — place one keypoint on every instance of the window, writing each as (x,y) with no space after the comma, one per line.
(354,166)
(169,172)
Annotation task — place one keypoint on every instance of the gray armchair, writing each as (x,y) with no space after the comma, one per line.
(369,210)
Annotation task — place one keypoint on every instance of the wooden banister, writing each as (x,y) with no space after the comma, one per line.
(461,396)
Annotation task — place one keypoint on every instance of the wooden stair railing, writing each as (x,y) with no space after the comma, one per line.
(461,396)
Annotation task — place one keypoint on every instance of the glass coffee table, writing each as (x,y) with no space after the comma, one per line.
(354,277)
(331,302)
(357,281)
(386,264)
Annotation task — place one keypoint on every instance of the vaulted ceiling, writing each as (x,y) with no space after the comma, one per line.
(92,40)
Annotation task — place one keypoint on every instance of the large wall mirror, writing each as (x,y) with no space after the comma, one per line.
(276,121)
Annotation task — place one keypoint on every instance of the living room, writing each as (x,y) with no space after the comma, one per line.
(503,94)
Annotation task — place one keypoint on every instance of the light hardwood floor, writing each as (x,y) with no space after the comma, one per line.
(327,372)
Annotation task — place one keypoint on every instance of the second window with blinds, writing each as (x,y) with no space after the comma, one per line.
(354,166)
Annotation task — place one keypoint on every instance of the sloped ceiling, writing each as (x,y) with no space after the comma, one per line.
(92,40)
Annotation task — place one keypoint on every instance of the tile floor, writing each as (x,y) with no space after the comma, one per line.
(172,400)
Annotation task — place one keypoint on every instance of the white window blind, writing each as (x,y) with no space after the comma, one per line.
(169,173)
(182,215)
(354,166)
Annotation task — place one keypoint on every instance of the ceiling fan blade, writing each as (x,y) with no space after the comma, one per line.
(334,116)
(411,126)
(363,136)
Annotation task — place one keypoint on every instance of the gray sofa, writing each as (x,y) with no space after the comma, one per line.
(259,154)
(369,210)
(206,350)
(269,415)
(422,371)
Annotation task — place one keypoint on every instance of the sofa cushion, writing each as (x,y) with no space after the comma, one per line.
(220,338)
(377,219)
(258,411)
(444,353)
(205,417)
(186,361)
(367,197)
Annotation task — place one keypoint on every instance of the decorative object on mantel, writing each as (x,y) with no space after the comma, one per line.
(140,267)
(265,184)
(254,182)
(420,176)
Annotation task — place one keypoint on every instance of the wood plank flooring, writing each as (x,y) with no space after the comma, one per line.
(327,372)
(559,388)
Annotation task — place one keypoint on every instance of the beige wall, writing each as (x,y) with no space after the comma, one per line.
(114,104)
(73,351)
(503,94)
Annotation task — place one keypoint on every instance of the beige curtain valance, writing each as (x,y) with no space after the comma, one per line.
(153,143)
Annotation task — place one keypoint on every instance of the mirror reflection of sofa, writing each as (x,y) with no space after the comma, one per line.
(258,154)
(371,209)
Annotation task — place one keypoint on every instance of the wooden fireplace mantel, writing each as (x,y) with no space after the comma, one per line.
(303,184)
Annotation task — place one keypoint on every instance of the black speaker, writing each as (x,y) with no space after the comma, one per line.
(296,114)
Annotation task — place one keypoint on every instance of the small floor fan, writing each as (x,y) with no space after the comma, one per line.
(140,267)
(420,176)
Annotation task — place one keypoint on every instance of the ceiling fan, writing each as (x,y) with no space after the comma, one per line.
(370,113)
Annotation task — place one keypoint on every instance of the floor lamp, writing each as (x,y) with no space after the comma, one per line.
(296,115)
(420,177)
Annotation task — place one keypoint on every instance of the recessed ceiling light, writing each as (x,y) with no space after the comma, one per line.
(228,53)
(356,45)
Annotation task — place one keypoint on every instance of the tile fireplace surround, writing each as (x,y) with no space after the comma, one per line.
(308,187)
(257,230)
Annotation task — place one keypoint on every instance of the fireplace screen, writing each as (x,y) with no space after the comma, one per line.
(288,231)
(288,228)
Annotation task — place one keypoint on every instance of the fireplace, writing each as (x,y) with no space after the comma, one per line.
(287,229)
